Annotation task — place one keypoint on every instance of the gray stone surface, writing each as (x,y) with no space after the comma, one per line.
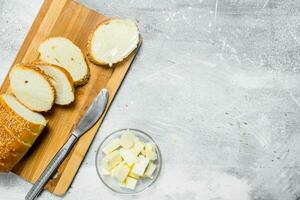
(216,83)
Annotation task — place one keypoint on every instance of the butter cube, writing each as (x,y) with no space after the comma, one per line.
(133,176)
(149,147)
(129,183)
(152,155)
(138,147)
(150,170)
(150,151)
(120,172)
(127,139)
(111,146)
(128,156)
(111,160)
(140,166)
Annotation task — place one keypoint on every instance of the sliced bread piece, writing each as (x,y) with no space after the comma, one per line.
(32,87)
(27,119)
(64,53)
(112,41)
(61,80)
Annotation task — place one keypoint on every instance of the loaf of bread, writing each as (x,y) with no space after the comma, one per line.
(36,87)
(112,41)
(64,53)
(61,80)
(19,127)
(32,87)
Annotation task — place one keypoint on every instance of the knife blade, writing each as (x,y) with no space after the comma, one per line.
(87,121)
(93,113)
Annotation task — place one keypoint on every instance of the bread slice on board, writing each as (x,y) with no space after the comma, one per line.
(64,53)
(112,41)
(18,130)
(61,80)
(32,87)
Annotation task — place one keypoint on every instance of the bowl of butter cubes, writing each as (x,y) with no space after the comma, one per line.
(128,161)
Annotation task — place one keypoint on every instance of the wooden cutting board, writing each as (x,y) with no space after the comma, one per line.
(74,21)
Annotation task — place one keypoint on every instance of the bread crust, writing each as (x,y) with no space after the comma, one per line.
(89,46)
(47,79)
(26,125)
(63,70)
(16,136)
(85,79)
(11,150)
(14,145)
(7,159)
(20,131)
(3,167)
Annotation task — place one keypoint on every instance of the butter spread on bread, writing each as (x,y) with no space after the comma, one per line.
(112,41)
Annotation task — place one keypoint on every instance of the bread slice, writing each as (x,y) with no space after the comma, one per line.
(25,118)
(32,87)
(64,53)
(61,80)
(112,41)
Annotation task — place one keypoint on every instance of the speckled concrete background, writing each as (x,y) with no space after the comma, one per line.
(216,83)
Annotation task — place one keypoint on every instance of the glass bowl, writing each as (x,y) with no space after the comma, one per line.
(110,182)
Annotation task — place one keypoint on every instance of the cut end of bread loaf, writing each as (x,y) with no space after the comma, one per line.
(61,80)
(23,112)
(32,87)
(64,53)
(19,127)
(112,41)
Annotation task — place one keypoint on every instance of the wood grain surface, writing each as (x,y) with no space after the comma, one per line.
(68,19)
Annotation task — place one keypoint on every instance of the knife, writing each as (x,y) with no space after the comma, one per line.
(88,120)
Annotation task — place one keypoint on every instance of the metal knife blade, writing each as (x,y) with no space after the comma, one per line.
(93,113)
(86,122)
